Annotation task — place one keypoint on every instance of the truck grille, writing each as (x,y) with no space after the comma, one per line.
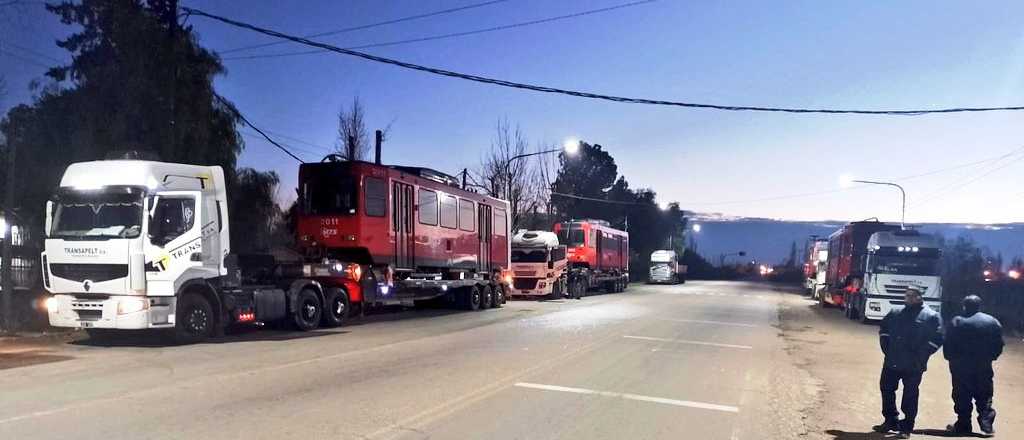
(93,272)
(525,283)
(89,315)
(524,273)
(895,288)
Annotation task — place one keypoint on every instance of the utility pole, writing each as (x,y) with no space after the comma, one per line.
(172,21)
(6,278)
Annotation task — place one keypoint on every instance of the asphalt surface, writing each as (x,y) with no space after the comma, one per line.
(704,360)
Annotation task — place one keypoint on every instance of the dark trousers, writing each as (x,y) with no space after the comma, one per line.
(972,381)
(888,383)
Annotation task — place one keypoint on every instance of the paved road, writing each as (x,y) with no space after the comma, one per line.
(704,360)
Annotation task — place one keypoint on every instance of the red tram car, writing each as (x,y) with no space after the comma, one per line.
(597,252)
(396,235)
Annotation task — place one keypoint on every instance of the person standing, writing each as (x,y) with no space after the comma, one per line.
(908,336)
(973,341)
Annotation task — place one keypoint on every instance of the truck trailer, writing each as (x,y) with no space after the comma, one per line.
(133,245)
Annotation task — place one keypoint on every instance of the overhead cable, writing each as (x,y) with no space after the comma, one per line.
(546,89)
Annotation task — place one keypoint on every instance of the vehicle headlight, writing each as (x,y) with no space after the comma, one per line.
(51,304)
(131,305)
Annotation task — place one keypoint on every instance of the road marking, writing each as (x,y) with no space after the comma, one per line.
(683,341)
(697,321)
(652,399)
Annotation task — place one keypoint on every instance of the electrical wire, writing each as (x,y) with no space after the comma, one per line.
(368,26)
(23,58)
(593,199)
(451,35)
(290,147)
(579,94)
(234,110)
(31,51)
(956,186)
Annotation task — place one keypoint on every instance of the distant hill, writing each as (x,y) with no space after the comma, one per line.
(768,240)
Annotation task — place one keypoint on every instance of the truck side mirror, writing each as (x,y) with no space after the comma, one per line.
(49,217)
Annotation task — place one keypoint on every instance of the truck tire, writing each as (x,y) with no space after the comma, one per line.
(486,297)
(470,298)
(336,307)
(498,296)
(308,310)
(194,319)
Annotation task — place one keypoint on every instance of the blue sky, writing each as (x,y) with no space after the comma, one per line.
(872,55)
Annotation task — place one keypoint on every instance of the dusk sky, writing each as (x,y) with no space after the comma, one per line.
(854,54)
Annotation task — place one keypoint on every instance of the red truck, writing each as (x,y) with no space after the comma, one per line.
(598,255)
(847,249)
(400,235)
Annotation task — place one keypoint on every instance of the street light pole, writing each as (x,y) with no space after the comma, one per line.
(903,194)
(570,147)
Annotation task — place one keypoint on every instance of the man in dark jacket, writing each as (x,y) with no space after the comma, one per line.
(909,335)
(973,341)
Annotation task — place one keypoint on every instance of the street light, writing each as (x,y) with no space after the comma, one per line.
(696,227)
(845,180)
(571,146)
(663,206)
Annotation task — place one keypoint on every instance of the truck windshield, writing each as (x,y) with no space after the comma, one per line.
(571,235)
(327,189)
(104,214)
(529,255)
(901,265)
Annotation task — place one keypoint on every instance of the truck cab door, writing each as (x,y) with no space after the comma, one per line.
(175,235)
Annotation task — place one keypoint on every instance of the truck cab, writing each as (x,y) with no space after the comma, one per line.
(664,267)
(124,237)
(538,265)
(895,261)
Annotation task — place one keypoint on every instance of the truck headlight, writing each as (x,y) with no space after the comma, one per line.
(875,306)
(51,304)
(131,305)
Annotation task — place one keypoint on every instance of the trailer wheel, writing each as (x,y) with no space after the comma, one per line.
(469,298)
(498,296)
(486,297)
(195,319)
(307,310)
(336,307)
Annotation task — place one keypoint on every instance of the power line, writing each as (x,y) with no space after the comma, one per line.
(32,51)
(593,199)
(234,110)
(956,186)
(290,147)
(451,35)
(546,89)
(300,141)
(372,25)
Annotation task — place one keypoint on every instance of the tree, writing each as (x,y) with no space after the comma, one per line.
(137,80)
(353,136)
(518,181)
(254,214)
(791,261)
(589,174)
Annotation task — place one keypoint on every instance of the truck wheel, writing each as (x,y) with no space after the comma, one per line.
(194,319)
(498,296)
(486,298)
(307,310)
(336,307)
(470,298)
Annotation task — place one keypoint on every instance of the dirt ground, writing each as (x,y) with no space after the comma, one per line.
(843,360)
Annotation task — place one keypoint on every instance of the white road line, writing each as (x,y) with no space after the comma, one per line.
(662,400)
(697,321)
(683,341)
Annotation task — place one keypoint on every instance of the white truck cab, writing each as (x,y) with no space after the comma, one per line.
(664,267)
(895,261)
(538,265)
(125,237)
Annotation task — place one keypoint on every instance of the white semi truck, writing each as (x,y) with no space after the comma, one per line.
(665,268)
(135,245)
(539,265)
(897,260)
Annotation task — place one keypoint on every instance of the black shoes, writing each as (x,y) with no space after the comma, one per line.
(887,426)
(959,428)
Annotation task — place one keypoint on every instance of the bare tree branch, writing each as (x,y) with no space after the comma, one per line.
(353,136)
(518,181)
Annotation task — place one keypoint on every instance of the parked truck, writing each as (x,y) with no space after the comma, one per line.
(816,266)
(135,245)
(665,268)
(896,260)
(847,249)
(598,254)
(539,266)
